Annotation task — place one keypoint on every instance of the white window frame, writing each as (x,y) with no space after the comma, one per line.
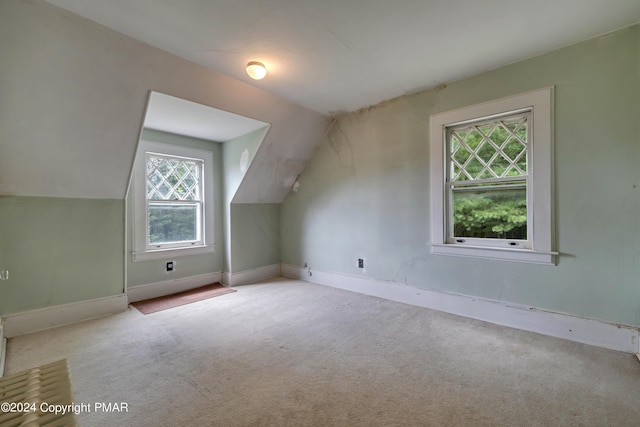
(540,222)
(142,251)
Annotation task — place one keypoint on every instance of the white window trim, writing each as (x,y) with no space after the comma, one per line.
(140,251)
(541,183)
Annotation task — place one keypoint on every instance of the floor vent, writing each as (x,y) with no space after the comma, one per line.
(32,397)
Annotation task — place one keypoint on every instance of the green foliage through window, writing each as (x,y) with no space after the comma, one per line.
(177,223)
(496,214)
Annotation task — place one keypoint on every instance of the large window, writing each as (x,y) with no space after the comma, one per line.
(491,172)
(172,211)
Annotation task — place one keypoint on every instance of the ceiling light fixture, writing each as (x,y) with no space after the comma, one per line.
(256,70)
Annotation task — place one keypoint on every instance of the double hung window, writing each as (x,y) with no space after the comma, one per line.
(173,211)
(491,172)
(487,181)
(174,201)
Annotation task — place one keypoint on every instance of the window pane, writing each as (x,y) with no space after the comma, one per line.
(484,151)
(488,213)
(173,179)
(172,223)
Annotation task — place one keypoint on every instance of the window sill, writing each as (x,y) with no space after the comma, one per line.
(496,253)
(171,253)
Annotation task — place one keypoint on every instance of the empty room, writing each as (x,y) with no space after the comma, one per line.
(319,213)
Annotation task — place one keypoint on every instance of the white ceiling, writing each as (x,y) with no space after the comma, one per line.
(170,114)
(341,55)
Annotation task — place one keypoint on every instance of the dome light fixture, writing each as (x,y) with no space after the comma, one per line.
(256,70)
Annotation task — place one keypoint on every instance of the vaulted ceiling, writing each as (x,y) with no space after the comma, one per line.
(341,55)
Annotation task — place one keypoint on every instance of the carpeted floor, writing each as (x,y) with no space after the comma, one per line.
(289,353)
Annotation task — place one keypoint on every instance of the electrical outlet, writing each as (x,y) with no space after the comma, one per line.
(4,274)
(360,263)
(170,265)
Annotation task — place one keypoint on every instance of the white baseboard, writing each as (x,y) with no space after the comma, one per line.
(295,272)
(25,322)
(250,276)
(168,287)
(612,336)
(3,349)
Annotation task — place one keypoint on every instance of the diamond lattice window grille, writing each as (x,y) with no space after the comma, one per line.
(172,179)
(491,150)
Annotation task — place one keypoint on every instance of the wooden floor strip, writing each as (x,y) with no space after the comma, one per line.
(187,297)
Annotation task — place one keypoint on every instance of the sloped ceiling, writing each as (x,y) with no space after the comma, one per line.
(72,104)
(175,115)
(341,55)
(73,91)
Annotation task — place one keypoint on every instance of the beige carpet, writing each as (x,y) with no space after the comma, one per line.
(288,353)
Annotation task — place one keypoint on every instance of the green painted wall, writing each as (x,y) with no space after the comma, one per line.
(365,193)
(90,108)
(255,235)
(232,151)
(237,155)
(59,250)
(153,271)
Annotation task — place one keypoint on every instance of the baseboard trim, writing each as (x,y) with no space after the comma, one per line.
(296,272)
(3,349)
(251,276)
(25,322)
(168,287)
(588,331)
